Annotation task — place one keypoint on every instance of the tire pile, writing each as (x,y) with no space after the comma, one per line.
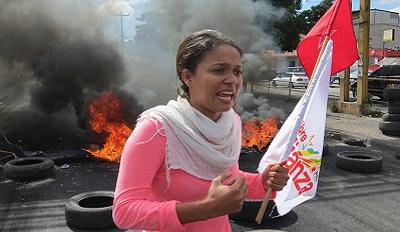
(391,120)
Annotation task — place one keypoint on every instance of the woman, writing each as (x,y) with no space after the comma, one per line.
(179,168)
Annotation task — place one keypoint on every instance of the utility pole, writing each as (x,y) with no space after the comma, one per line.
(121,15)
(362,85)
(361,106)
(345,81)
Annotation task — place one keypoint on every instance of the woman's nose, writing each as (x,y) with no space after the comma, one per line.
(231,78)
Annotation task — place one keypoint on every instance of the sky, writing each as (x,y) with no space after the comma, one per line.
(132,7)
(375,4)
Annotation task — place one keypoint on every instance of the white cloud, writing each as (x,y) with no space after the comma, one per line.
(396,10)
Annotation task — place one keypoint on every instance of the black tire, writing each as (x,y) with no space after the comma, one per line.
(250,209)
(359,161)
(393,109)
(354,142)
(325,149)
(29,168)
(391,117)
(90,211)
(273,83)
(391,93)
(397,155)
(392,128)
(393,102)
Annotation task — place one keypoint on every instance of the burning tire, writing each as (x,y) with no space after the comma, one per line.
(359,161)
(29,168)
(90,211)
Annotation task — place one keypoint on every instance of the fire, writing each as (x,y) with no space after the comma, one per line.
(106,116)
(258,134)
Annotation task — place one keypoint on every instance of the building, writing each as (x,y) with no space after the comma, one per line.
(382,23)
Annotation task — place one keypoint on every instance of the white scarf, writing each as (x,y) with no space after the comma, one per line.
(195,143)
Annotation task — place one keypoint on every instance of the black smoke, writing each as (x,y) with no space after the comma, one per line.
(65,61)
(54,57)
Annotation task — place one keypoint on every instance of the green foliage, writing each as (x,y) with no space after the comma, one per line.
(311,16)
(332,106)
(287,30)
(291,5)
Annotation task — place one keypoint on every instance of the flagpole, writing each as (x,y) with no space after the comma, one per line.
(326,39)
(264,204)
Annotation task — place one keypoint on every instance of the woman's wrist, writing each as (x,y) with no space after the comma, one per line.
(194,211)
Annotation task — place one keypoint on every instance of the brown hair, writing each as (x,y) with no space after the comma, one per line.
(193,49)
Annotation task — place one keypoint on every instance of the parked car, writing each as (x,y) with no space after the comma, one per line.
(292,77)
(335,79)
(380,79)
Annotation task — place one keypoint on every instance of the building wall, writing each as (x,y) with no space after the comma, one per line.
(376,33)
(384,17)
(381,20)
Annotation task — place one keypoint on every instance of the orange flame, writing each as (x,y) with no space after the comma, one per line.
(106,116)
(258,134)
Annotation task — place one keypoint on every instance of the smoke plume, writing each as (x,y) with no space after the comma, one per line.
(54,55)
(55,52)
(249,106)
(166,23)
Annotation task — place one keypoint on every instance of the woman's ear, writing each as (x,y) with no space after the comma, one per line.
(186,76)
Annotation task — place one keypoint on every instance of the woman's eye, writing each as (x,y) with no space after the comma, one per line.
(219,71)
(238,72)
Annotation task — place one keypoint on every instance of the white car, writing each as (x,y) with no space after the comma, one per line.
(291,77)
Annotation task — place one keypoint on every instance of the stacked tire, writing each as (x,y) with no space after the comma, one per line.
(390,123)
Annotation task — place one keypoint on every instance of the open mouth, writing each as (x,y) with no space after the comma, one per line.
(226,96)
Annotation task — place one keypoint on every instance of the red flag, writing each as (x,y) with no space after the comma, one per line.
(337,23)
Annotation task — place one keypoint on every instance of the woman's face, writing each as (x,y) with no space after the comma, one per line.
(216,82)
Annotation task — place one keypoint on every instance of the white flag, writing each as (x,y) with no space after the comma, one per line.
(300,140)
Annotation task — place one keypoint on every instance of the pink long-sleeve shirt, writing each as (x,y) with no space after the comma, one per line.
(144,199)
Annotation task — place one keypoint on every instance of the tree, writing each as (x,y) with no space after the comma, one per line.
(311,16)
(286,31)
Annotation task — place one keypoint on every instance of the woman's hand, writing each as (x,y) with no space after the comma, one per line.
(225,198)
(222,198)
(275,176)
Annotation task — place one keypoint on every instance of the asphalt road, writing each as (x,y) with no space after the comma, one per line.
(345,201)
